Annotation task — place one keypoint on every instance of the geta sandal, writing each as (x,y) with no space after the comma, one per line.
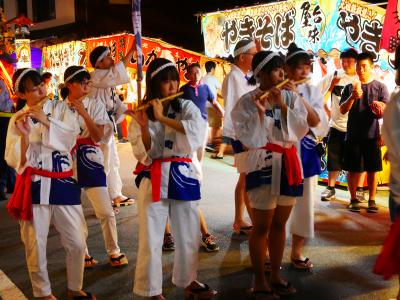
(301,264)
(119,261)
(126,202)
(201,293)
(88,296)
(90,262)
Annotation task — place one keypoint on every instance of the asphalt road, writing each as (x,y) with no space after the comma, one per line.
(343,252)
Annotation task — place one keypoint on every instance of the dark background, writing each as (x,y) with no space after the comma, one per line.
(171,20)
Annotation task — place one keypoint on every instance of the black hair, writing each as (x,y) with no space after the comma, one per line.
(80,77)
(209,65)
(396,61)
(191,66)
(153,84)
(95,54)
(32,77)
(274,62)
(298,59)
(365,56)
(46,75)
(349,53)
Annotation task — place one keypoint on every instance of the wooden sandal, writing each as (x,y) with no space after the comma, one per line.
(119,261)
(201,293)
(88,296)
(90,262)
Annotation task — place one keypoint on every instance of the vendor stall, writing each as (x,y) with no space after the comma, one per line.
(323,27)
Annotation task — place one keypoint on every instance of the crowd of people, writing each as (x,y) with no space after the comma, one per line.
(273,118)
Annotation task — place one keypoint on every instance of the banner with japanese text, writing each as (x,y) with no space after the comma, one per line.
(316,25)
(151,48)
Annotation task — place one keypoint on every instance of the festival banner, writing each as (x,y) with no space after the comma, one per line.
(315,25)
(151,49)
(391,26)
(23,53)
(57,58)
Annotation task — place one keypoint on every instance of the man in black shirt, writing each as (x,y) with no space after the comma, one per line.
(365,101)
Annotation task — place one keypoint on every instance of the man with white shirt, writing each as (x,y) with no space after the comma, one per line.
(234,86)
(332,86)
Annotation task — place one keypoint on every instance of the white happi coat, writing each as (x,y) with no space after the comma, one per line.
(255,134)
(49,149)
(391,136)
(167,142)
(234,86)
(104,83)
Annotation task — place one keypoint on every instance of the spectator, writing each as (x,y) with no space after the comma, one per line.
(47,77)
(332,86)
(365,101)
(214,119)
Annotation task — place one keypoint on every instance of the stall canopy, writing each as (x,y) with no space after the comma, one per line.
(316,25)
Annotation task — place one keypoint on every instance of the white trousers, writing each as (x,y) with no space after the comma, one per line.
(70,224)
(301,220)
(198,156)
(114,182)
(101,203)
(184,220)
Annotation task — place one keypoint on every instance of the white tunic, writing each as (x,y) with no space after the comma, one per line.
(49,149)
(104,83)
(255,134)
(234,86)
(167,142)
(338,120)
(391,136)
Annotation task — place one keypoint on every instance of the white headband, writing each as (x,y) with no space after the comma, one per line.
(106,52)
(264,62)
(159,69)
(23,73)
(244,48)
(295,53)
(73,74)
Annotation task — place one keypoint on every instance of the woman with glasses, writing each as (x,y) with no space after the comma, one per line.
(95,129)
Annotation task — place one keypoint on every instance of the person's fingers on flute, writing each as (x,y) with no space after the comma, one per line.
(290,86)
(157,108)
(275,96)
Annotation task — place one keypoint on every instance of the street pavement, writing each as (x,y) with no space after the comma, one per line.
(343,252)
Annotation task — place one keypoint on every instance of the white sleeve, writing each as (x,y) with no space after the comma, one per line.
(391,136)
(63,131)
(317,103)
(106,78)
(135,138)
(295,126)
(13,146)
(325,83)
(194,126)
(246,122)
(100,117)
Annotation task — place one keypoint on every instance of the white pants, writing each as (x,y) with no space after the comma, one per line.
(70,224)
(114,182)
(301,220)
(184,220)
(101,203)
(198,156)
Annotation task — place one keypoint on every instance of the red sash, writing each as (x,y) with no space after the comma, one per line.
(83,141)
(388,261)
(292,164)
(155,173)
(20,204)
